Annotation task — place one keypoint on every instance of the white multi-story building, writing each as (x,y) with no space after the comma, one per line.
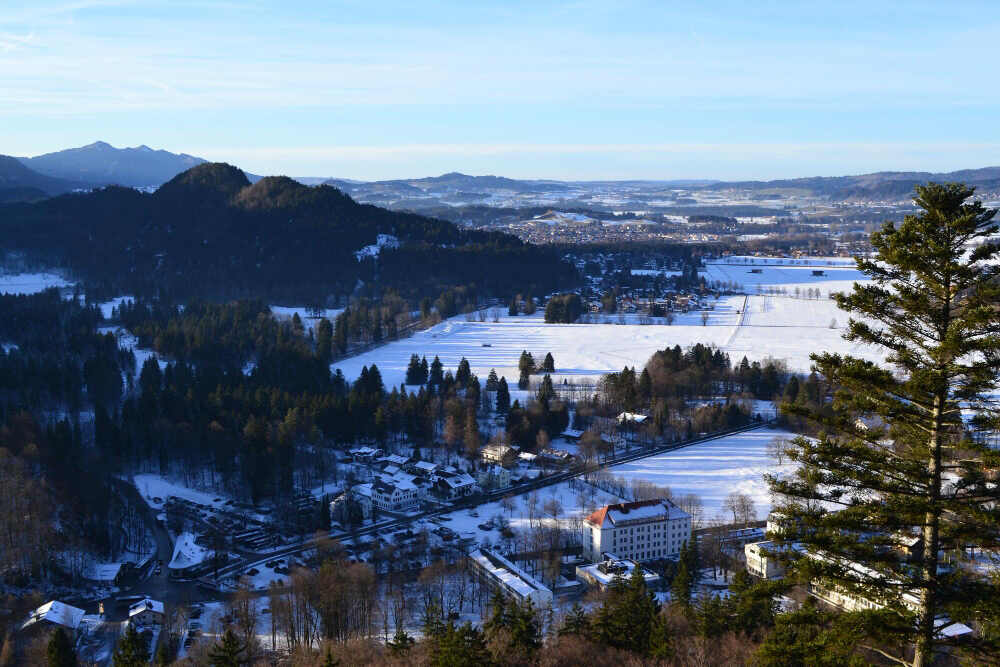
(395,495)
(762,561)
(640,531)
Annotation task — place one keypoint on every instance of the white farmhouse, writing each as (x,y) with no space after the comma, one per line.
(640,531)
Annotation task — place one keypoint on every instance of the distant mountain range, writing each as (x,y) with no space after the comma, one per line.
(96,165)
(100,164)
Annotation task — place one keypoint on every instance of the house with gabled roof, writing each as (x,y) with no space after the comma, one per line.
(54,614)
(146,613)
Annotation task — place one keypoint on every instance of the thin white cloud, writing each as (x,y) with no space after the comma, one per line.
(782,149)
(11,41)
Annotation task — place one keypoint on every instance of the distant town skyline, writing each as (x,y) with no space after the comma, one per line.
(572,91)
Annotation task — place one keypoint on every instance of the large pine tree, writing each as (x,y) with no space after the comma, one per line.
(132,650)
(896,486)
(60,651)
(228,652)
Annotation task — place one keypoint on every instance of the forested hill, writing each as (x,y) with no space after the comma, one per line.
(879,185)
(210,233)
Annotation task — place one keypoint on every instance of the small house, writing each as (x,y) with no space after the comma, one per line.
(493,477)
(499,454)
(146,613)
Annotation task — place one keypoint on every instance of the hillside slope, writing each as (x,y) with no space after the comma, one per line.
(210,232)
(19,183)
(878,185)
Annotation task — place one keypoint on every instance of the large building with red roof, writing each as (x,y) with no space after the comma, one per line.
(643,530)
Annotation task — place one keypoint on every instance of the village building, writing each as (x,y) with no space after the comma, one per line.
(54,614)
(632,418)
(395,460)
(762,560)
(493,477)
(641,531)
(556,456)
(451,484)
(146,613)
(499,453)
(356,499)
(422,468)
(395,494)
(511,580)
(602,574)
(365,454)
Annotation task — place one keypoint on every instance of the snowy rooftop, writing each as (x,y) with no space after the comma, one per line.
(512,576)
(606,571)
(56,612)
(187,553)
(143,605)
(644,510)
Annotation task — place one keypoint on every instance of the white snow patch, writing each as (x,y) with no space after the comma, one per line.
(187,553)
(383,241)
(30,283)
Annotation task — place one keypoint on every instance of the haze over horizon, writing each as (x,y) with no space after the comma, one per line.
(579,91)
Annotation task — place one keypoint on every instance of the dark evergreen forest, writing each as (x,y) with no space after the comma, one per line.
(209,233)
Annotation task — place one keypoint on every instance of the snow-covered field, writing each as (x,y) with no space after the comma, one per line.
(839,273)
(715,469)
(782,327)
(30,283)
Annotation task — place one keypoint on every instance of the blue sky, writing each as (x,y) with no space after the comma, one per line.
(573,90)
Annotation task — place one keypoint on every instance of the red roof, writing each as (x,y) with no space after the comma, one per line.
(598,516)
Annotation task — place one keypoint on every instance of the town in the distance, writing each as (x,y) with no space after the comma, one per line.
(456,420)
